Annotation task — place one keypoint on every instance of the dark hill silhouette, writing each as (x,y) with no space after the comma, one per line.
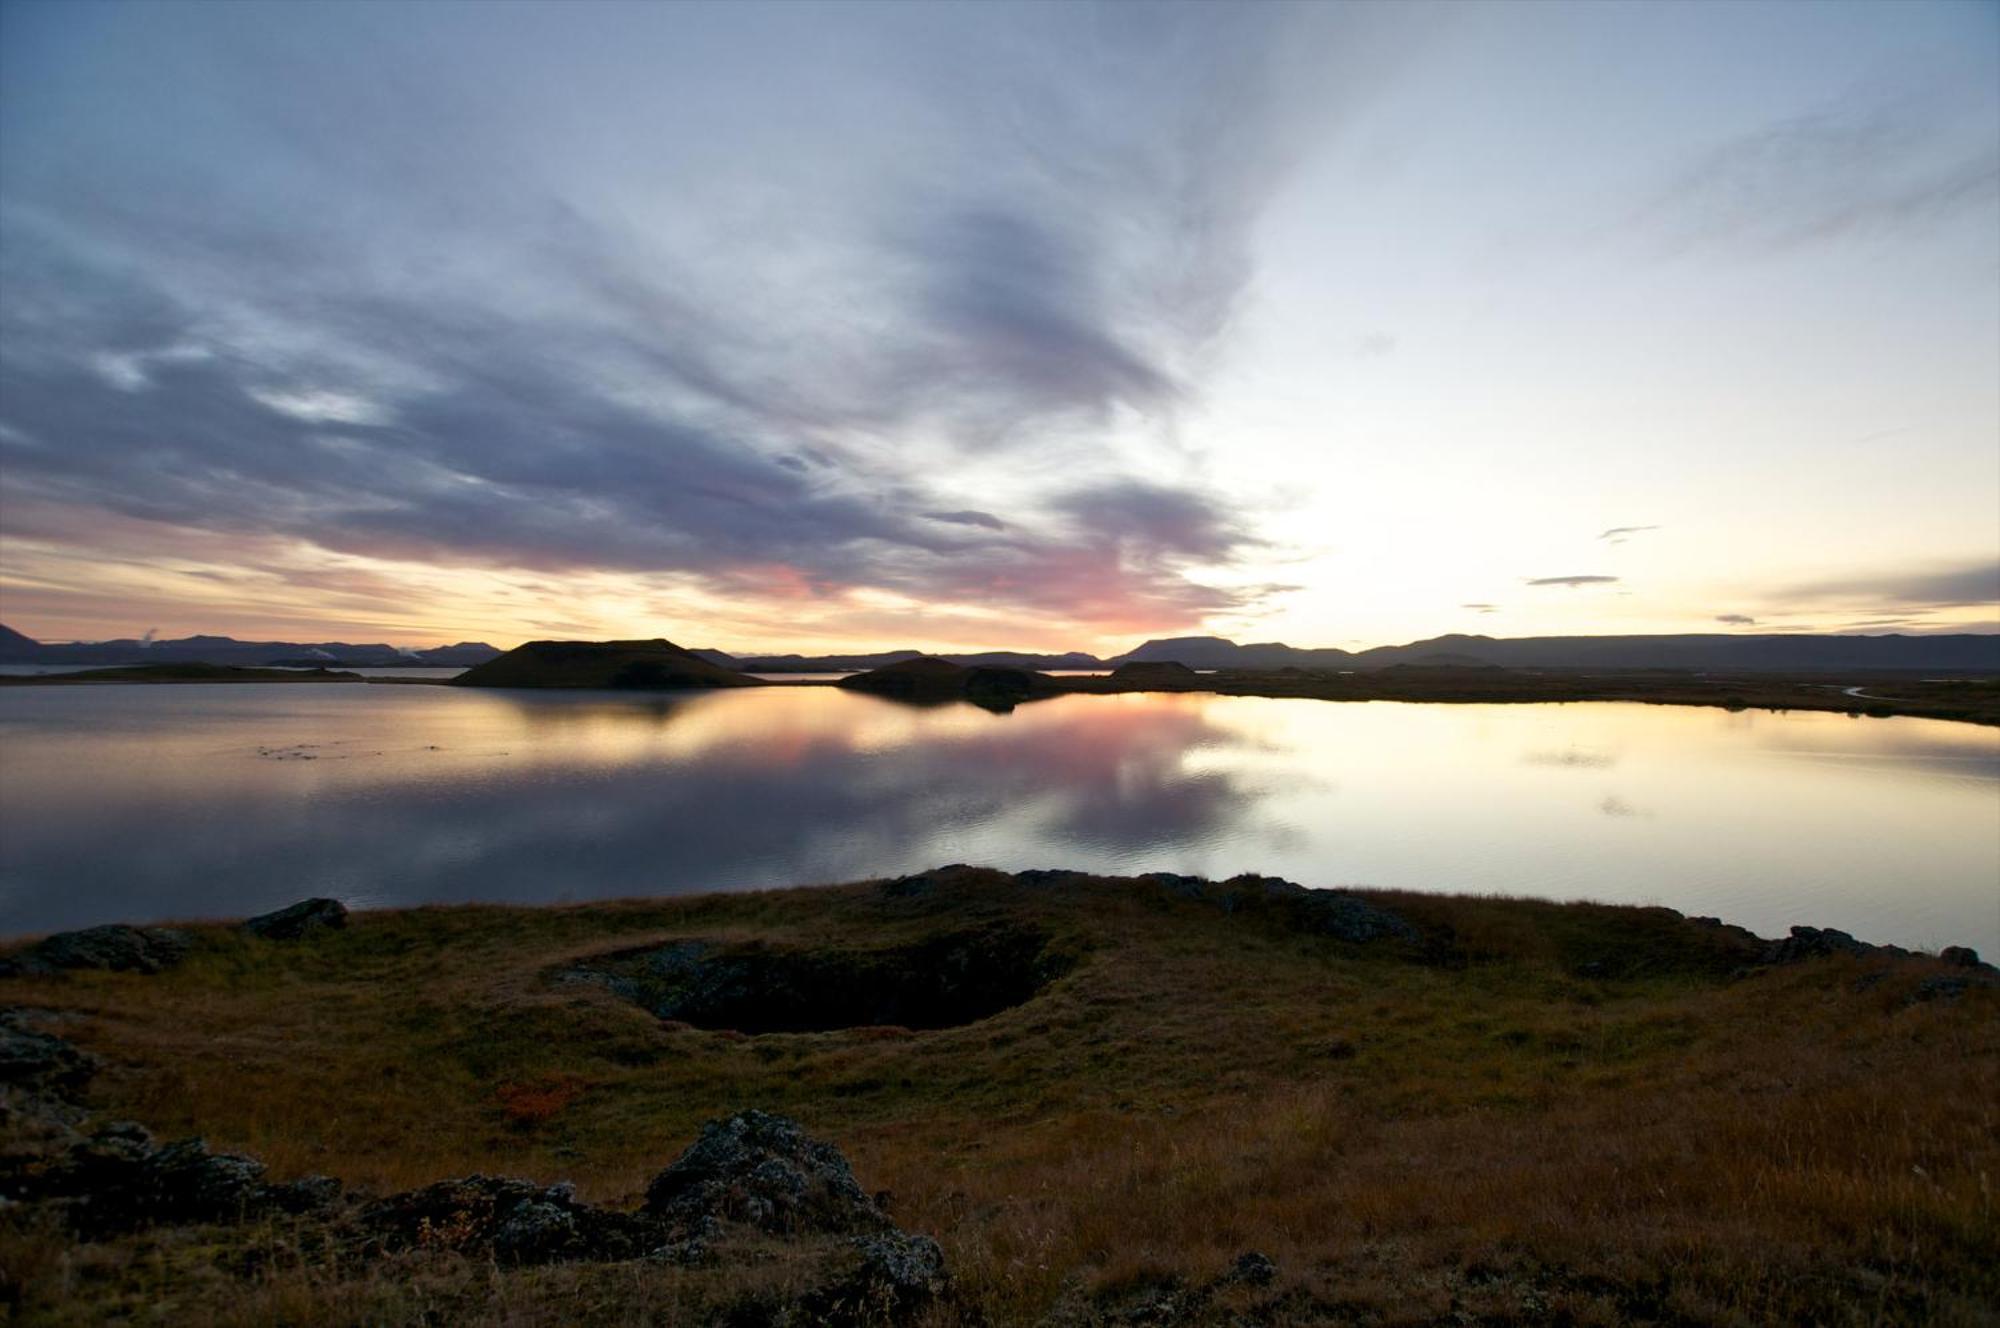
(16,648)
(1961,653)
(1214,652)
(656,665)
(927,678)
(1005,659)
(1156,673)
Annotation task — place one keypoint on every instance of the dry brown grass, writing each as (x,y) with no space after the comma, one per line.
(1486,1133)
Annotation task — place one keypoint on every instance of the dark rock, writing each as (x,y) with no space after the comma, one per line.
(514,1221)
(114,948)
(1044,877)
(916,886)
(187,1182)
(1960,956)
(308,1194)
(1322,912)
(535,1232)
(896,1277)
(765,1171)
(41,1062)
(1252,1269)
(299,920)
(1184,887)
(1821,943)
(116,1180)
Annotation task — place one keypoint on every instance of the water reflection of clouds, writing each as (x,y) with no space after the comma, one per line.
(149,803)
(609,804)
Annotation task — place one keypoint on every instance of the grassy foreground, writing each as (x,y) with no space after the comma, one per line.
(1537,1113)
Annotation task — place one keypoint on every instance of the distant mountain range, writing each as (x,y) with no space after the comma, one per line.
(1966,653)
(18,649)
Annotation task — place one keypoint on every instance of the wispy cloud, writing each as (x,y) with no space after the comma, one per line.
(1974,583)
(506,345)
(1481,608)
(1736,619)
(1859,169)
(1571,581)
(1619,534)
(968,517)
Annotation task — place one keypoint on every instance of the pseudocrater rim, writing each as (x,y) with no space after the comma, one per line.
(944,980)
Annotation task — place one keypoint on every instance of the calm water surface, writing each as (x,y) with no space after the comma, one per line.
(143,803)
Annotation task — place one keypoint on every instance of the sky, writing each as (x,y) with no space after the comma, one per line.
(957,326)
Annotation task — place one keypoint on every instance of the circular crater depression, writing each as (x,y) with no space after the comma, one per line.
(940,981)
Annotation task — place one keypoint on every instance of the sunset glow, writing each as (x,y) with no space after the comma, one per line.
(1042,327)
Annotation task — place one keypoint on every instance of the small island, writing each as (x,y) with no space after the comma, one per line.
(179,673)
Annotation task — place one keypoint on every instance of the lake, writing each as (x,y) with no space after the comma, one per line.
(144,803)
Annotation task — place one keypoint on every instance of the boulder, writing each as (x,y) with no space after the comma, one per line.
(1252,1269)
(1960,956)
(115,948)
(299,920)
(893,1278)
(513,1221)
(764,1171)
(41,1062)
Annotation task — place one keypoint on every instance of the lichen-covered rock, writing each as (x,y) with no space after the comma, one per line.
(514,1221)
(1252,1269)
(116,948)
(41,1062)
(764,1171)
(115,1179)
(299,920)
(184,1181)
(893,1278)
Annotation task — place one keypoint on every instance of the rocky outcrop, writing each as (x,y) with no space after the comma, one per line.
(116,948)
(116,1179)
(299,920)
(889,1278)
(511,1221)
(40,1063)
(766,1172)
(753,1172)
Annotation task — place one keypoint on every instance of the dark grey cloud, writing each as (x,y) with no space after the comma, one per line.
(968,517)
(311,278)
(1570,581)
(1974,583)
(1736,619)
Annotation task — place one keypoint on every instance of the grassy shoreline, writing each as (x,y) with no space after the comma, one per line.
(1525,1110)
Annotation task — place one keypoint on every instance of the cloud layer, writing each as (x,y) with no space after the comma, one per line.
(357,301)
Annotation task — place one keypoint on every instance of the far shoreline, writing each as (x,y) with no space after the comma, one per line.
(1973,700)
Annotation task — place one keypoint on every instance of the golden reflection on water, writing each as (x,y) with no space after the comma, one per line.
(150,802)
